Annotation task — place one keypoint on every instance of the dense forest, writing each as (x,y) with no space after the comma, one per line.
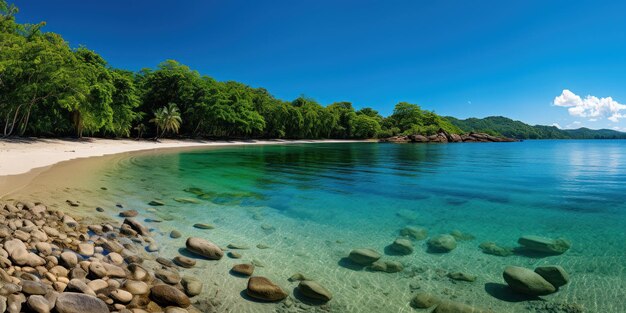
(50,89)
(502,126)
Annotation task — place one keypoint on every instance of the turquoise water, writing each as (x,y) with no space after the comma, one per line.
(313,203)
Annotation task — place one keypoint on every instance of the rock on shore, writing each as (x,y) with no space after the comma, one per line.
(444,137)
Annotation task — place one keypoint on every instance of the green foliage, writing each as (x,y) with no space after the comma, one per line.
(167,119)
(411,119)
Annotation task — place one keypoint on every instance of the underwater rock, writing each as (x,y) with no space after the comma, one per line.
(264,289)
(364,256)
(493,249)
(175,234)
(203,226)
(156,203)
(544,245)
(167,295)
(462,276)
(461,236)
(525,281)
(243,269)
(416,233)
(456,307)
(234,255)
(387,266)
(423,300)
(554,274)
(297,277)
(204,248)
(186,200)
(237,246)
(314,290)
(402,246)
(262,246)
(442,243)
(129,213)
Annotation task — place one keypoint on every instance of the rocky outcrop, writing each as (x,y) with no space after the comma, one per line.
(445,137)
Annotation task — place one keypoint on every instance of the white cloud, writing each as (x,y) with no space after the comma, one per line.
(591,106)
(556,125)
(574,124)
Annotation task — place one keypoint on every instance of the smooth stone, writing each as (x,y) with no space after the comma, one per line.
(493,249)
(38,304)
(442,243)
(136,226)
(234,255)
(156,203)
(97,284)
(184,261)
(193,286)
(462,276)
(364,256)
(461,236)
(262,246)
(70,302)
(78,285)
(99,209)
(187,200)
(168,277)
(544,245)
(204,248)
(136,287)
(554,274)
(175,234)
(34,288)
(416,233)
(526,281)
(203,226)
(387,266)
(243,269)
(129,213)
(402,246)
(297,277)
(314,290)
(121,296)
(237,246)
(423,300)
(166,295)
(264,289)
(86,249)
(165,262)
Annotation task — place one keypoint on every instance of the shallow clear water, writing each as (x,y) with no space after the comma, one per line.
(313,203)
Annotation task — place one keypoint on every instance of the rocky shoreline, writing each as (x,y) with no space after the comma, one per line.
(445,137)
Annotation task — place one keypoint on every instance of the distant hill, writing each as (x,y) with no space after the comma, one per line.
(503,126)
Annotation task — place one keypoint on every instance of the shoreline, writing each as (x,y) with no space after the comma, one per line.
(23,159)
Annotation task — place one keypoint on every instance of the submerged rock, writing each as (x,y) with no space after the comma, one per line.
(204,248)
(203,226)
(544,245)
(442,243)
(462,276)
(461,236)
(402,246)
(129,213)
(387,266)
(243,269)
(525,281)
(156,203)
(493,249)
(71,302)
(167,295)
(314,290)
(456,307)
(264,289)
(297,277)
(554,274)
(416,233)
(175,234)
(364,256)
(423,300)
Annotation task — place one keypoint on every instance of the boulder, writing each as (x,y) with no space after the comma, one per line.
(193,286)
(264,289)
(387,266)
(184,261)
(314,290)
(402,246)
(526,281)
(493,249)
(175,234)
(416,233)
(462,276)
(544,245)
(166,295)
(204,248)
(364,256)
(423,300)
(243,269)
(38,304)
(442,243)
(70,302)
(554,274)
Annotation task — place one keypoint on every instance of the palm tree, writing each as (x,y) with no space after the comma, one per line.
(167,119)
(141,128)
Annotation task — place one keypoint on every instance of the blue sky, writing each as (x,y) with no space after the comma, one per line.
(460,58)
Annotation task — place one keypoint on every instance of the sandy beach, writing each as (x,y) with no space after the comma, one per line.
(18,156)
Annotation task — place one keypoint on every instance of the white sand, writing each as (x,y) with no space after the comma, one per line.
(18,156)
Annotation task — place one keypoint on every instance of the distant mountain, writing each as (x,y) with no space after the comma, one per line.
(503,126)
